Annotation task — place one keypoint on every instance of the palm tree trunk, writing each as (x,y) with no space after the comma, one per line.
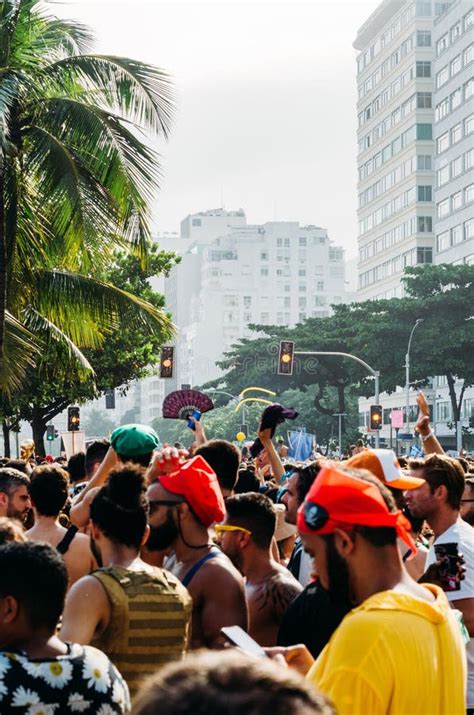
(6,439)
(3,261)
(38,426)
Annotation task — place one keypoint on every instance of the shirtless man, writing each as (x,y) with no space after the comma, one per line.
(49,488)
(183,505)
(246,538)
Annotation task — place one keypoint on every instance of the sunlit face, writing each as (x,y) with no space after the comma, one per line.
(19,503)
(420,501)
(164,529)
(290,500)
(230,544)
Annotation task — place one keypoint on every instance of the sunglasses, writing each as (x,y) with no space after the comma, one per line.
(154,503)
(466,501)
(315,516)
(221,528)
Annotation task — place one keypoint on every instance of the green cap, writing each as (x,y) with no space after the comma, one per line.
(134,440)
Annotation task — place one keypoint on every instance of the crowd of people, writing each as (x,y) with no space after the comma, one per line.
(125,572)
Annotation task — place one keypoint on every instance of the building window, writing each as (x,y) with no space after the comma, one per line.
(442,175)
(456,98)
(265,318)
(279,243)
(287,301)
(469,124)
(287,288)
(425,224)
(423,38)
(423,100)
(442,109)
(302,288)
(456,65)
(231,301)
(424,193)
(468,54)
(247,317)
(424,131)
(264,256)
(469,194)
(302,316)
(456,133)
(319,285)
(469,159)
(286,243)
(302,241)
(469,229)
(456,167)
(423,69)
(264,272)
(442,44)
(196,222)
(442,209)
(424,255)
(456,201)
(442,77)
(247,301)
(468,19)
(443,142)
(423,162)
(455,31)
(279,318)
(302,272)
(469,89)
(319,300)
(456,235)
(423,8)
(442,241)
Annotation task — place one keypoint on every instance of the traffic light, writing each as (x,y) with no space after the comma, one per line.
(167,362)
(50,433)
(110,399)
(376,421)
(73,419)
(286,357)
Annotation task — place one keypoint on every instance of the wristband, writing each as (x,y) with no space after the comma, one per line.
(427,436)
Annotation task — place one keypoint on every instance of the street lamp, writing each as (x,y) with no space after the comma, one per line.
(407,373)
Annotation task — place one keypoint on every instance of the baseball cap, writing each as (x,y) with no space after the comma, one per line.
(383,464)
(134,440)
(197,483)
(337,500)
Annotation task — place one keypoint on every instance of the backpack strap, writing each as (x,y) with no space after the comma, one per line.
(65,542)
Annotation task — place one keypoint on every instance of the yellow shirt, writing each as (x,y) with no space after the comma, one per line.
(395,655)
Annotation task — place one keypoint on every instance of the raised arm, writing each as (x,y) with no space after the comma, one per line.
(278,469)
(428,437)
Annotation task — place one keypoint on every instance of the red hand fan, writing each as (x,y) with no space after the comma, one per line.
(180,404)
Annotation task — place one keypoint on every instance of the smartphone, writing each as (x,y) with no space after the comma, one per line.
(238,637)
(448,555)
(197,416)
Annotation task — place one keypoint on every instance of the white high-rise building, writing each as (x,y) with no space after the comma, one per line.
(395,142)
(276,273)
(453,42)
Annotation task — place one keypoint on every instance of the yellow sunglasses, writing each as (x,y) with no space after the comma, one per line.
(221,528)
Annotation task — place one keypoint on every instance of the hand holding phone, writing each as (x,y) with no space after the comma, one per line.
(449,563)
(196,415)
(238,637)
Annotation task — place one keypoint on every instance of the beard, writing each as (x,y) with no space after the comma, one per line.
(338,574)
(163,536)
(96,552)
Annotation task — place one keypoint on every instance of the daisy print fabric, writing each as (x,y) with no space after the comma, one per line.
(83,681)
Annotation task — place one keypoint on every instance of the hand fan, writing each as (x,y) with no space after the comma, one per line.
(180,404)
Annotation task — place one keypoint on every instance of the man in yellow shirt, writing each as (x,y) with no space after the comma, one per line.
(400,651)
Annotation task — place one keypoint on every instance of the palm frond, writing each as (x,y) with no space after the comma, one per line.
(19,353)
(143,92)
(68,299)
(37,323)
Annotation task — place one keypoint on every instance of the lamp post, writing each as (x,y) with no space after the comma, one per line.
(407,374)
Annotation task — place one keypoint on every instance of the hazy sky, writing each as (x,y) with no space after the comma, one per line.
(266,96)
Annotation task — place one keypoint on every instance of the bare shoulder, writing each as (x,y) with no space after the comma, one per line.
(219,573)
(278,591)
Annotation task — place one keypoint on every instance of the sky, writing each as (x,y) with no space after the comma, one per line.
(266,103)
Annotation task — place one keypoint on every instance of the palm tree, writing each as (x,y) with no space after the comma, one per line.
(76,183)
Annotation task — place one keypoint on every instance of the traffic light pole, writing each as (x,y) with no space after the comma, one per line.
(375,374)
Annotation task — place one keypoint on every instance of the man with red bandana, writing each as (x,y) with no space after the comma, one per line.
(184,503)
(400,650)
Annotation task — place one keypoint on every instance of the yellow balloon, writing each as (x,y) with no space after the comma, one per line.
(240,436)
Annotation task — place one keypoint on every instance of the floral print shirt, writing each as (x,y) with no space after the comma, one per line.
(82,681)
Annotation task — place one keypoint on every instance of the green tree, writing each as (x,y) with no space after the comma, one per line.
(98,424)
(76,182)
(128,354)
